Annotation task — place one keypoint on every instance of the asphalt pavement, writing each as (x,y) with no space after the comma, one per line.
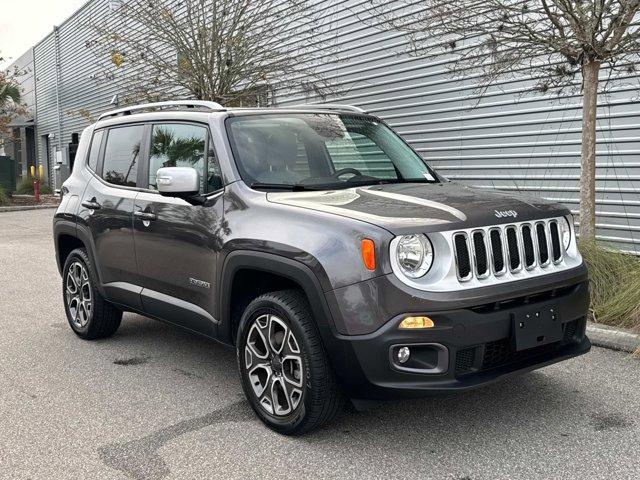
(156,402)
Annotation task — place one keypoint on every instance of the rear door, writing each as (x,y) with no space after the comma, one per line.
(176,242)
(107,209)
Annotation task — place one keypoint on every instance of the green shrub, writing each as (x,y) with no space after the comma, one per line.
(4,198)
(45,189)
(25,187)
(615,286)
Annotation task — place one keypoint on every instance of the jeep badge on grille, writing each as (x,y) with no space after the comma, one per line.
(506,213)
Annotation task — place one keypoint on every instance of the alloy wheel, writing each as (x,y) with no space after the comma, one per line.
(274,365)
(78,293)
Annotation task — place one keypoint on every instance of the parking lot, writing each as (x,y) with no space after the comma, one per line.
(157,402)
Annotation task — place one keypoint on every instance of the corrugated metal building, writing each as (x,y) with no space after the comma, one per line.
(508,139)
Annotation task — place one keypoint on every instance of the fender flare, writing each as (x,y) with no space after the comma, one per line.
(68,227)
(278,265)
(62,227)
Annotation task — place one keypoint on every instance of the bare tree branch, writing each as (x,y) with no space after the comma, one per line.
(228,51)
(550,40)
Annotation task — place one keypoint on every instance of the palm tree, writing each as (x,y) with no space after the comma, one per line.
(9,97)
(9,91)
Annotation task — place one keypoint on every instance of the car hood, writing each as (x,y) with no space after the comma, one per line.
(405,207)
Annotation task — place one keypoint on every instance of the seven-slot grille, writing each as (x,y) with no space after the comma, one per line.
(496,250)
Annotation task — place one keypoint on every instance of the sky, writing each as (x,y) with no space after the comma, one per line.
(25,22)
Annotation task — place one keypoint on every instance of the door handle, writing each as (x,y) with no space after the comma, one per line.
(91,205)
(145,215)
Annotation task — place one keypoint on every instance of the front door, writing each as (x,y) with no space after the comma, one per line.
(177,243)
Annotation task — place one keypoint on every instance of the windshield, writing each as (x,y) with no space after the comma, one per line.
(321,151)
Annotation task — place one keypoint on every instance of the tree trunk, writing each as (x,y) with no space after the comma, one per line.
(590,72)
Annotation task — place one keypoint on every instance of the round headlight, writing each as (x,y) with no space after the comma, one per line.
(414,255)
(565,232)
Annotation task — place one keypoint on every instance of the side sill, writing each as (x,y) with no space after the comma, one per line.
(124,293)
(178,311)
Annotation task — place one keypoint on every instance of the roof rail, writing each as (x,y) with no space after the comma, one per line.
(328,106)
(211,106)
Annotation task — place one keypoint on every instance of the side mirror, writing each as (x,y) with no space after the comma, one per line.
(178,181)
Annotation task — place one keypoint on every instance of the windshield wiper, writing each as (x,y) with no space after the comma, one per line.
(281,186)
(297,187)
(389,181)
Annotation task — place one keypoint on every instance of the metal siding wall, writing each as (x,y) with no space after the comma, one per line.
(27,81)
(79,68)
(46,111)
(79,90)
(508,139)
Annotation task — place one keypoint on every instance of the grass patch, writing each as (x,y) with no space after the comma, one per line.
(615,286)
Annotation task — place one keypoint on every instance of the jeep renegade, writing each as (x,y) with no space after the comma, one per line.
(322,247)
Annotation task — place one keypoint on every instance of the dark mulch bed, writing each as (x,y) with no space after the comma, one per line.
(27,200)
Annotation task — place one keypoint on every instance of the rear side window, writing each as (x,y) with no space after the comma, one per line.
(94,152)
(122,155)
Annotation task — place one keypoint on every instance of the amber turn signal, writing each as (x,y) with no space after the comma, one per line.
(416,322)
(368,249)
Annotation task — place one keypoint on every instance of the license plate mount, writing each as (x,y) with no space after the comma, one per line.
(536,327)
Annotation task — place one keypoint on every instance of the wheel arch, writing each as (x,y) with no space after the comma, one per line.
(68,237)
(66,240)
(292,273)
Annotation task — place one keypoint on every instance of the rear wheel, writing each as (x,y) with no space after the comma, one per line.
(285,372)
(89,314)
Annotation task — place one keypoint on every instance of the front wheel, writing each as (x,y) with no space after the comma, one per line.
(285,372)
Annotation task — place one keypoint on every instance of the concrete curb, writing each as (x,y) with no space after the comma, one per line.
(21,208)
(613,338)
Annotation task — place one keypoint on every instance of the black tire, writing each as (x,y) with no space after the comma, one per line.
(321,398)
(101,319)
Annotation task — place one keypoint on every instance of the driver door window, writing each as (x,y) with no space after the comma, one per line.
(183,145)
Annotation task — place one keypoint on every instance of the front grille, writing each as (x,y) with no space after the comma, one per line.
(543,246)
(527,242)
(555,241)
(515,248)
(497,251)
(480,252)
(462,256)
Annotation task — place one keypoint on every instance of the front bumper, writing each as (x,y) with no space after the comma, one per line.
(478,341)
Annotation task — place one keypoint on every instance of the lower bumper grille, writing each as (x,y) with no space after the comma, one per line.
(465,359)
(499,353)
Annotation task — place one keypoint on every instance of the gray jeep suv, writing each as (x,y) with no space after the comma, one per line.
(320,246)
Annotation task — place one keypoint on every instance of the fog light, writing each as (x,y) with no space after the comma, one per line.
(403,354)
(416,322)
